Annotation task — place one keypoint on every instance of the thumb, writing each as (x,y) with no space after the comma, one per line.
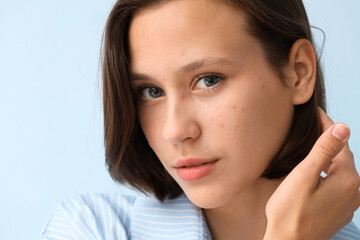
(329,144)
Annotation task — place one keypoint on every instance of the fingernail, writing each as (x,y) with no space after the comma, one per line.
(340,131)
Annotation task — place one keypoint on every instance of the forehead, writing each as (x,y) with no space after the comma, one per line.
(179,30)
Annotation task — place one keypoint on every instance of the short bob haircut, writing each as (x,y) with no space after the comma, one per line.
(277,24)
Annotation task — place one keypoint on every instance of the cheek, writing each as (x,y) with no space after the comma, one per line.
(253,126)
(227,124)
(222,117)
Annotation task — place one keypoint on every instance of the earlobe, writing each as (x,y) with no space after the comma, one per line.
(302,67)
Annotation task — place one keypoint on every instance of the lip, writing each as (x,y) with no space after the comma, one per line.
(190,169)
(186,162)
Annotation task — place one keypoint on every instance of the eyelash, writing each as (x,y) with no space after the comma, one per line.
(210,74)
(220,77)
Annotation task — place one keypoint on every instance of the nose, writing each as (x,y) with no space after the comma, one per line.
(181,124)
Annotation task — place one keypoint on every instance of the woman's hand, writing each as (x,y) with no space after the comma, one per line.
(308,206)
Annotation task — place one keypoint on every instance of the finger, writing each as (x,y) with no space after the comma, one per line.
(325,120)
(329,144)
(343,161)
(326,123)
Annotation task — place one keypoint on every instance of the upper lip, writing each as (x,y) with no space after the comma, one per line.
(185,162)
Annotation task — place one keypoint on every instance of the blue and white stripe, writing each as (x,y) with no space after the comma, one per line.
(114,216)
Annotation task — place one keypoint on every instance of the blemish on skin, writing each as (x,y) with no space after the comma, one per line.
(182,95)
(182,53)
(234,107)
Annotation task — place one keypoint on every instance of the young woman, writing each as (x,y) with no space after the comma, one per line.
(214,108)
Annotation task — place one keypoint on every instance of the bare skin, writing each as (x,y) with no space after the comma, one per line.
(206,91)
(320,207)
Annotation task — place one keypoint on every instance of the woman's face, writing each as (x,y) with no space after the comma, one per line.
(207,95)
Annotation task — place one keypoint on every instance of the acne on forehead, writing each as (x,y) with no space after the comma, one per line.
(192,24)
(195,16)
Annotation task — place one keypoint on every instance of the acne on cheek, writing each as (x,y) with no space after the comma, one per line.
(238,124)
(223,116)
(222,126)
(235,107)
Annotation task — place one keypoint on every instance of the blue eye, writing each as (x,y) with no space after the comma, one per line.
(151,92)
(207,81)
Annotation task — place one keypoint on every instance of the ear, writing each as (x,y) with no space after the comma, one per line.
(301,71)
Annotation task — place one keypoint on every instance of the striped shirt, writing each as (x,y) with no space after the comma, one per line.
(114,216)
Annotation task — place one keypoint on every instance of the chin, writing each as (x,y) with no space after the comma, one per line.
(208,198)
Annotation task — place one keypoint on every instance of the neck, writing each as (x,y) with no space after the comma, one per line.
(244,217)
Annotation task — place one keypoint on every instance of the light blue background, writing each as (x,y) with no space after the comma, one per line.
(51,142)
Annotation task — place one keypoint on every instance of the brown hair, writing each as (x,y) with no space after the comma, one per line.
(277,24)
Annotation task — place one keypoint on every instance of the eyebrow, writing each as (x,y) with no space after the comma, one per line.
(204,62)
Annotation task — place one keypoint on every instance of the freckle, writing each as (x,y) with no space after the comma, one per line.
(234,107)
